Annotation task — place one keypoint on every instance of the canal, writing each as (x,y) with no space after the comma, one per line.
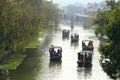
(38,67)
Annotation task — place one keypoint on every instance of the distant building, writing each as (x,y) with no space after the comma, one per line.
(80,17)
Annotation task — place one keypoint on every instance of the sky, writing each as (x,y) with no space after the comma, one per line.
(66,2)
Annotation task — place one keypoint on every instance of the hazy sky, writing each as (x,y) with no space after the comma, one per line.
(66,2)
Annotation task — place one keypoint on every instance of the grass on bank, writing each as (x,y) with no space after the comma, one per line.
(15,60)
(12,62)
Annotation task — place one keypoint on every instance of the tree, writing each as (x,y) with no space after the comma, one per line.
(90,20)
(111,50)
(22,20)
(111,3)
(49,13)
(101,21)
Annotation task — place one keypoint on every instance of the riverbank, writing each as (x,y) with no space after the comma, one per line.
(14,60)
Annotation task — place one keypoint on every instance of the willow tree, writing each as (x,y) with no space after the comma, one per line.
(49,14)
(18,24)
(9,16)
(22,20)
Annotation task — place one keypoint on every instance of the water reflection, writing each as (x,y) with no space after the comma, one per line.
(65,38)
(84,72)
(75,44)
(55,65)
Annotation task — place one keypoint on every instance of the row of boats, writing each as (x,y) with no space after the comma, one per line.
(84,56)
(74,37)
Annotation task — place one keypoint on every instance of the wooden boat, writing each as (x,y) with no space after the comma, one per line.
(65,33)
(55,53)
(85,59)
(87,45)
(74,38)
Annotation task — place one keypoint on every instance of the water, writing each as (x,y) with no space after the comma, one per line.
(38,67)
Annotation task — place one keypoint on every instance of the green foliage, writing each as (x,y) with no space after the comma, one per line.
(97,31)
(113,28)
(109,23)
(90,20)
(110,69)
(111,3)
(22,20)
(104,49)
(12,62)
(111,52)
(41,35)
(33,44)
(49,14)
(101,22)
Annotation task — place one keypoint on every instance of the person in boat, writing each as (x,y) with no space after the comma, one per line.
(55,53)
(84,45)
(51,50)
(76,35)
(84,57)
(72,37)
(59,52)
(64,31)
(90,57)
(80,57)
(90,47)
